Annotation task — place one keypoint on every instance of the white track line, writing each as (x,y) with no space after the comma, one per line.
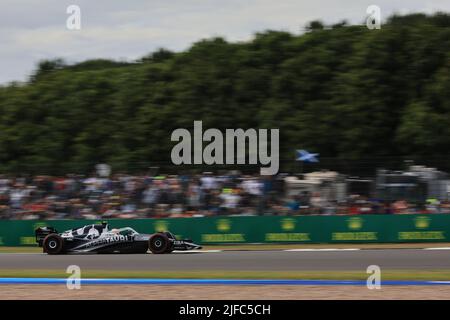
(196,251)
(325,249)
(437,248)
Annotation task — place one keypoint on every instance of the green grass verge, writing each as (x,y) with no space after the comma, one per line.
(20,249)
(226,274)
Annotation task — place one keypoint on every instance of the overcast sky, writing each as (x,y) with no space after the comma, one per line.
(31,30)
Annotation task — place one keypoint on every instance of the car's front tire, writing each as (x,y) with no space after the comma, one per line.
(53,244)
(159,243)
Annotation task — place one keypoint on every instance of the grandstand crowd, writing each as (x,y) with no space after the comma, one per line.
(126,196)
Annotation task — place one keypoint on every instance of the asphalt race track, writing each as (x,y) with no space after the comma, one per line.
(238,260)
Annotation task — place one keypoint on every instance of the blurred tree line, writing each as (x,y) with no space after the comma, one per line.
(342,91)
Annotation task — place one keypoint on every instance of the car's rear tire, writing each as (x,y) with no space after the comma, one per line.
(159,243)
(53,244)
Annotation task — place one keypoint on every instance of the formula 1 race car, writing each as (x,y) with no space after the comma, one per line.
(98,238)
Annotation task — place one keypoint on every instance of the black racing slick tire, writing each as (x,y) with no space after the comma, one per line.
(159,243)
(53,244)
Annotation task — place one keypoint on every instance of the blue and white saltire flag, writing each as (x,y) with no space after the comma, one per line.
(305,156)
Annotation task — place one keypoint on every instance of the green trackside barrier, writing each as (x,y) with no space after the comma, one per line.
(262,229)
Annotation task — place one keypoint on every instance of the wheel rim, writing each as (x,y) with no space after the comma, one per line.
(52,244)
(158,243)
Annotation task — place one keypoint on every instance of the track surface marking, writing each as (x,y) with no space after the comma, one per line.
(239,260)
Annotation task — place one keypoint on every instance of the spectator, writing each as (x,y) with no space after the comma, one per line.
(127,196)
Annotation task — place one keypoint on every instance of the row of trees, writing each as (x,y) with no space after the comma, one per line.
(343,91)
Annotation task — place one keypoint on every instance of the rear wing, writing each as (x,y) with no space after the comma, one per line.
(42,232)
